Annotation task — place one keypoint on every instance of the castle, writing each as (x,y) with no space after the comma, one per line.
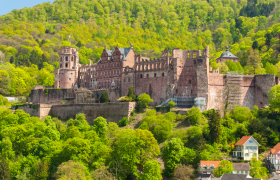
(183,76)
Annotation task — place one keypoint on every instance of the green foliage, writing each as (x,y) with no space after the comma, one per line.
(123,122)
(194,115)
(172,153)
(4,169)
(104,98)
(151,171)
(215,126)
(4,101)
(144,99)
(258,170)
(241,114)
(71,170)
(131,94)
(163,108)
(274,97)
(171,103)
(100,126)
(224,167)
(125,99)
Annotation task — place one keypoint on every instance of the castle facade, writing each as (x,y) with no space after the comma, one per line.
(183,77)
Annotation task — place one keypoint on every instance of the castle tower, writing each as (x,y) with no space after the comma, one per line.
(67,74)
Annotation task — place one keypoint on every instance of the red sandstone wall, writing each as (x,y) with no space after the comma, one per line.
(129,59)
(186,77)
(156,87)
(127,81)
(67,78)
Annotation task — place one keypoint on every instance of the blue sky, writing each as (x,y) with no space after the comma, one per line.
(7,6)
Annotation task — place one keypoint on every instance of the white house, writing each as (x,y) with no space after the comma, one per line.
(246,148)
(274,157)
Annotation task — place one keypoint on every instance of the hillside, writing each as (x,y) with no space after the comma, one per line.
(34,35)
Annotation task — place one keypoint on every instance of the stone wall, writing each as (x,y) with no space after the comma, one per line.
(113,112)
(38,110)
(50,95)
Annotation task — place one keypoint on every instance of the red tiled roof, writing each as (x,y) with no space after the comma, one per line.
(208,163)
(242,140)
(275,149)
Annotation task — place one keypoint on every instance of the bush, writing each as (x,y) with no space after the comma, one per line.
(139,106)
(181,117)
(104,98)
(194,115)
(145,99)
(241,114)
(4,101)
(171,103)
(132,112)
(125,99)
(163,108)
(123,122)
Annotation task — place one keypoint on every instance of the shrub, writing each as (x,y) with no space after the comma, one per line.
(194,115)
(123,122)
(171,103)
(104,97)
(132,112)
(145,99)
(125,99)
(4,101)
(241,114)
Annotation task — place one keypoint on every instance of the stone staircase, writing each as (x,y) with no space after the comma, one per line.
(234,90)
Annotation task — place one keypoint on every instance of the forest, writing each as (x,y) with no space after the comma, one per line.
(32,37)
(160,145)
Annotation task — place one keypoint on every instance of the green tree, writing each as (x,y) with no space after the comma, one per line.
(194,115)
(183,172)
(224,167)
(257,169)
(274,97)
(100,126)
(151,171)
(255,44)
(215,126)
(104,98)
(42,170)
(145,99)
(71,170)
(241,114)
(254,60)
(172,153)
(131,93)
(4,169)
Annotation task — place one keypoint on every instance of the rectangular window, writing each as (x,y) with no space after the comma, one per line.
(128,80)
(69,79)
(124,80)
(190,81)
(246,154)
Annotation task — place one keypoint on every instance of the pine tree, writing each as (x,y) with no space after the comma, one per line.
(131,93)
(215,127)
(104,97)
(4,170)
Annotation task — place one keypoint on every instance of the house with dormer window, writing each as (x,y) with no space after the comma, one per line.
(246,148)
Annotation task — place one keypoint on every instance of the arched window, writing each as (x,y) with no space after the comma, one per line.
(162,74)
(66,65)
(141,76)
(66,58)
(155,75)
(60,65)
(147,75)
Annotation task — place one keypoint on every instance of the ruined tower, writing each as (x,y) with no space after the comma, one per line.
(67,74)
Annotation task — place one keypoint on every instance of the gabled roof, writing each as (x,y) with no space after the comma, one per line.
(124,52)
(241,166)
(208,163)
(244,139)
(275,149)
